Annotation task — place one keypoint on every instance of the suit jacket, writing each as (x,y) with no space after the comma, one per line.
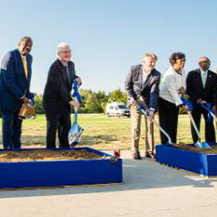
(13,82)
(57,92)
(196,90)
(149,89)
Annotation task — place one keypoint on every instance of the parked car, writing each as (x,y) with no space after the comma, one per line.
(116,109)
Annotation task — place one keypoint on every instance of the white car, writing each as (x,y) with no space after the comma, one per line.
(117,110)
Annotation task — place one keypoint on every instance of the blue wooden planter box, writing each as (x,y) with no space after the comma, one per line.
(59,173)
(204,164)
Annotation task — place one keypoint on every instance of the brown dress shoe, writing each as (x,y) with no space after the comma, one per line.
(150,155)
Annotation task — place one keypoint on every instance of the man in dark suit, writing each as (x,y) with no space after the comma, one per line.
(57,97)
(14,89)
(142,84)
(201,87)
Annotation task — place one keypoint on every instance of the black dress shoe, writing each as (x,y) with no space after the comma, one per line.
(136,156)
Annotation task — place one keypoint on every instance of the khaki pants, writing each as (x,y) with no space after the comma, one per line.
(136,128)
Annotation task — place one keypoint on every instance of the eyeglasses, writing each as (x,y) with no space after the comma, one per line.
(26,45)
(65,52)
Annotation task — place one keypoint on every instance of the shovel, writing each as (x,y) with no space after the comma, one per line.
(75,131)
(198,144)
(211,114)
(207,106)
(142,107)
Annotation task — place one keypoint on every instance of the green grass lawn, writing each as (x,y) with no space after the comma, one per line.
(100,132)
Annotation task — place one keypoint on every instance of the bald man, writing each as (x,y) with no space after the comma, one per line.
(202,87)
(15,79)
(57,98)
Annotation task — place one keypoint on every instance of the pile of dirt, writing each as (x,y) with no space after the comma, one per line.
(213,149)
(46,155)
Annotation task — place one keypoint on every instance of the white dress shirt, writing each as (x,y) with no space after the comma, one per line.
(144,75)
(170,84)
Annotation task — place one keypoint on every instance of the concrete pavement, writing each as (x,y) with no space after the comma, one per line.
(149,189)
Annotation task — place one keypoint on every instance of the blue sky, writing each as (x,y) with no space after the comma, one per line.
(108,36)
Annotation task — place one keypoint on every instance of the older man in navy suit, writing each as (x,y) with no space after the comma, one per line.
(15,79)
(57,98)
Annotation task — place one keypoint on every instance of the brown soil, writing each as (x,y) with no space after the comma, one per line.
(213,149)
(46,155)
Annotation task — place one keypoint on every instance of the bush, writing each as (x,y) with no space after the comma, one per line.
(38,104)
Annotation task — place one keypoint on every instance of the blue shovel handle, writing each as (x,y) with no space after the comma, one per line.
(31,96)
(76,94)
(187,103)
(208,108)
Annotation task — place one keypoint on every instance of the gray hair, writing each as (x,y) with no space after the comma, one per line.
(61,46)
(204,57)
(152,55)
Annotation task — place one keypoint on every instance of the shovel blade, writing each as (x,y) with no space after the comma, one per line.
(74,135)
(205,145)
(73,130)
(202,145)
(198,145)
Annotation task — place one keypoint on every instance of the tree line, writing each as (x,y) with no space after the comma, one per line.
(92,101)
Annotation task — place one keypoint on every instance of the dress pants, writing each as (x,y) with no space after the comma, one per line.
(61,123)
(11,129)
(209,126)
(168,119)
(136,128)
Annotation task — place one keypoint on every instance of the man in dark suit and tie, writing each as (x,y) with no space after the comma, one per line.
(57,97)
(14,90)
(142,84)
(202,87)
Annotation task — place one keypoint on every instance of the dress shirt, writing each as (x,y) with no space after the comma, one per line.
(203,75)
(171,83)
(144,75)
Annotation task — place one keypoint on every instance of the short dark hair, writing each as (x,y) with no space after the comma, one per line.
(176,56)
(26,38)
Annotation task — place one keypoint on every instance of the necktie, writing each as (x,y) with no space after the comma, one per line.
(204,78)
(25,66)
(68,75)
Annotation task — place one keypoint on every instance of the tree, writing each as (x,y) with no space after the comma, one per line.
(92,101)
(38,104)
(102,98)
(117,95)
